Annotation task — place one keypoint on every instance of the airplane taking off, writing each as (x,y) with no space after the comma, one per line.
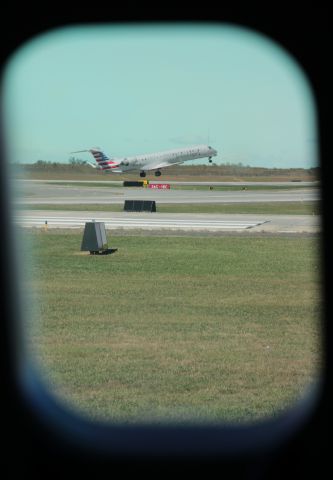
(151,161)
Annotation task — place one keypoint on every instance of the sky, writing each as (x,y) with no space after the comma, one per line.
(135,89)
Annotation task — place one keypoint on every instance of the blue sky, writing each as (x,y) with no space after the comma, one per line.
(137,89)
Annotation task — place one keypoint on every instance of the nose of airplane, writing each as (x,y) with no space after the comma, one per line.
(214,152)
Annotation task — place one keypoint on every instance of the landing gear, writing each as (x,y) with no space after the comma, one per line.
(158,173)
(142,174)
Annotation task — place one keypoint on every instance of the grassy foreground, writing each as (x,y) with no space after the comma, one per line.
(181,328)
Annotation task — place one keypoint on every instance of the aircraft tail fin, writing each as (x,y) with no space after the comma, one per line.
(99,156)
(102,160)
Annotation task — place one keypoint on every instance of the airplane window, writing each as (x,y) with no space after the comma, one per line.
(207,310)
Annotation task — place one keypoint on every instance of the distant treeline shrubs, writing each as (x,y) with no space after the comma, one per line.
(226,169)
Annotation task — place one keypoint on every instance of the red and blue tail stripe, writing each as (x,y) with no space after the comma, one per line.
(103,161)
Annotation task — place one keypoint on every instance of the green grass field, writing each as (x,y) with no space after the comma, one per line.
(176,328)
(268,208)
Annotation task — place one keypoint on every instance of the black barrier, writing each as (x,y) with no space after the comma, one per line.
(127,183)
(140,206)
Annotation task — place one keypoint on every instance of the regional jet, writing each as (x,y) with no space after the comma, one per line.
(151,161)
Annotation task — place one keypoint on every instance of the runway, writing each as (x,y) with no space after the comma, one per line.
(176,221)
(34,193)
(77,193)
(119,183)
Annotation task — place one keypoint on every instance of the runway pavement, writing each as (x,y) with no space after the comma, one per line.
(172,182)
(54,193)
(177,221)
(34,193)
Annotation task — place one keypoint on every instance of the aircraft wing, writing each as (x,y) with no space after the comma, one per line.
(156,165)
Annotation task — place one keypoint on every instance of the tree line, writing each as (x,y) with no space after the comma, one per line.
(226,169)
